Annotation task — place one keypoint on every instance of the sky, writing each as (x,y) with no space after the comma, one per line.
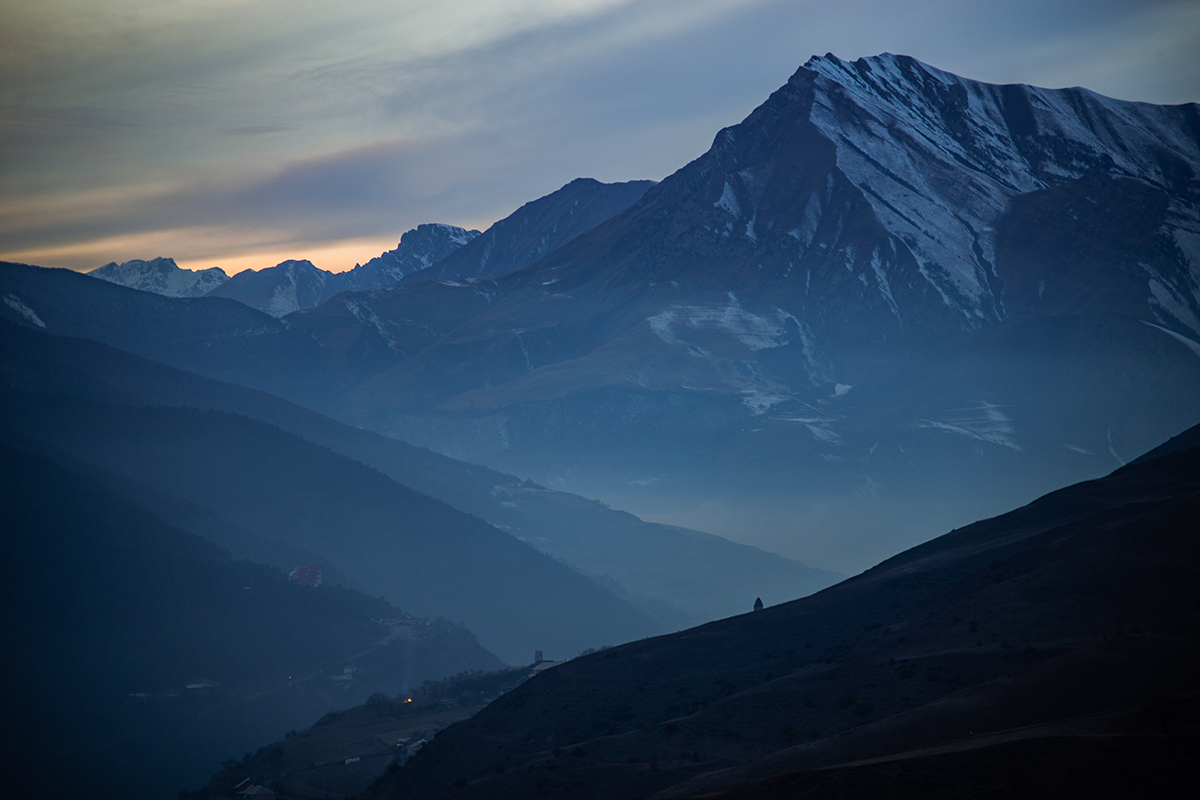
(240,133)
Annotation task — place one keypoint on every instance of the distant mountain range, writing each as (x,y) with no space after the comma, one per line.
(294,285)
(536,229)
(532,231)
(888,283)
(162,276)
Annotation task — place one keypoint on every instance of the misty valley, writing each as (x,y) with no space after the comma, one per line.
(860,456)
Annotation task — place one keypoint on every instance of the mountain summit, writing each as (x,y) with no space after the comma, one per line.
(816,278)
(162,276)
(293,285)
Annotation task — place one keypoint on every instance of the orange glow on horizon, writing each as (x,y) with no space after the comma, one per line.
(329,256)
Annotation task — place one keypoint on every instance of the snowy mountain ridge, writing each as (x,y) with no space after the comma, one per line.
(938,157)
(162,276)
(294,285)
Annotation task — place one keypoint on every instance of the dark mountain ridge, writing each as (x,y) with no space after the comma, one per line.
(141,656)
(1064,630)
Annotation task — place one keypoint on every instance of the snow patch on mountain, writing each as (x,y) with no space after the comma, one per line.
(754,331)
(1186,342)
(938,157)
(18,305)
(984,421)
(162,276)
(365,315)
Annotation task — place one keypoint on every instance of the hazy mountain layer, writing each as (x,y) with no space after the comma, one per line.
(141,656)
(679,576)
(162,276)
(208,335)
(386,539)
(1049,649)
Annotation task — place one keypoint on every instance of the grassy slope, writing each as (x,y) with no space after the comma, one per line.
(1077,610)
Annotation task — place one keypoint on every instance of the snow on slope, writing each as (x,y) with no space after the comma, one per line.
(938,157)
(162,276)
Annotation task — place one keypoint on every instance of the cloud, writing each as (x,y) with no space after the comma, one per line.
(238,124)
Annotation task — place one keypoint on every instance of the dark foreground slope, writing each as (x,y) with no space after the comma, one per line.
(138,656)
(682,577)
(1053,644)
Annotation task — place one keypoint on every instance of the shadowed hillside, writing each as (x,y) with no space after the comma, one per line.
(1063,633)
(139,656)
(680,577)
(386,539)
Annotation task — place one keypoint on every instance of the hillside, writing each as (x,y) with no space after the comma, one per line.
(1062,632)
(142,656)
(221,475)
(681,577)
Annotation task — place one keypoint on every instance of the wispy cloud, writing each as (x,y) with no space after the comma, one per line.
(231,125)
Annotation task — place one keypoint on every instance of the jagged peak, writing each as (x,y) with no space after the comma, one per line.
(293,263)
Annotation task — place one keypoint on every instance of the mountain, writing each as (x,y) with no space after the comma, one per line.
(279,290)
(679,576)
(795,340)
(419,249)
(535,229)
(293,285)
(141,656)
(162,276)
(260,491)
(874,227)
(1047,651)
(211,336)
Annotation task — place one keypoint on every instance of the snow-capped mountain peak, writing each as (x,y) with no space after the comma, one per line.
(162,276)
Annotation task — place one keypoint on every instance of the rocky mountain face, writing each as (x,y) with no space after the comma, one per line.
(293,285)
(537,228)
(871,230)
(162,276)
(419,249)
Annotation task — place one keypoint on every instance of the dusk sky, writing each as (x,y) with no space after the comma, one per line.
(237,134)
